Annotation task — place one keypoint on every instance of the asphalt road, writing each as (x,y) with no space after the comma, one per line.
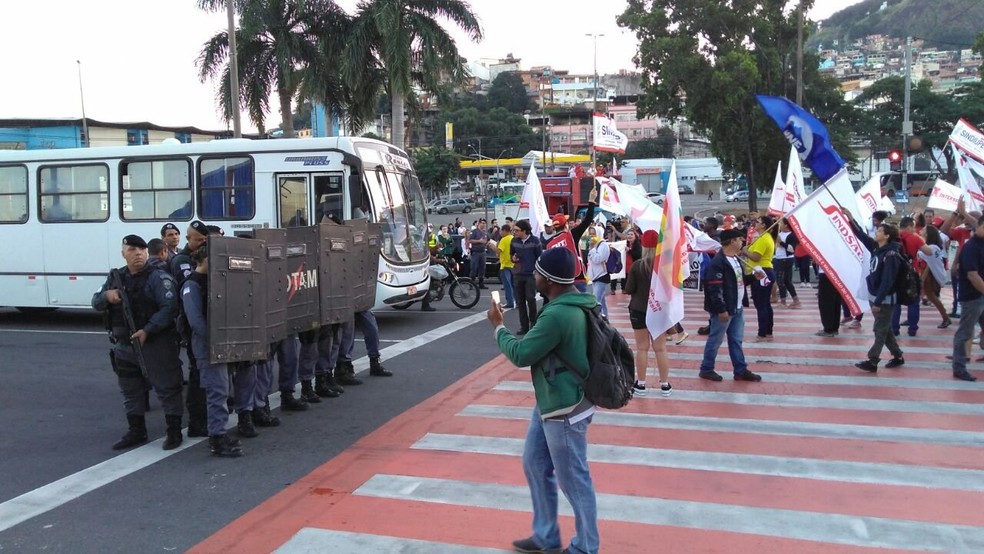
(61,411)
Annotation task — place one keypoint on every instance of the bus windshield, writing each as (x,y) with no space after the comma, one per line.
(399,206)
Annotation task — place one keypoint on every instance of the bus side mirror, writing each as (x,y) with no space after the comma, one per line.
(355,190)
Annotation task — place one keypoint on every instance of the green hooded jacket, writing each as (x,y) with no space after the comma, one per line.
(560,328)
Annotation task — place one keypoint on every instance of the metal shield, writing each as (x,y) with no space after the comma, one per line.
(303,293)
(277,282)
(237,329)
(339,273)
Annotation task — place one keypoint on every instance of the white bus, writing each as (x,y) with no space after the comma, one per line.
(63,213)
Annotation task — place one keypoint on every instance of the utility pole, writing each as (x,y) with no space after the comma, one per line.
(799,54)
(906,124)
(85,122)
(237,129)
(594,92)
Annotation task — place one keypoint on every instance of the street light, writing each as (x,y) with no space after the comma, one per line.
(85,122)
(594,91)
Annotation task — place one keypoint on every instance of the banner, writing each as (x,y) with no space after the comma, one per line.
(969,184)
(966,137)
(693,282)
(608,199)
(944,196)
(831,241)
(869,199)
(670,266)
(533,200)
(777,203)
(807,135)
(607,138)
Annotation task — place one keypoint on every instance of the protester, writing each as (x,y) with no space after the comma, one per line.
(934,271)
(886,262)
(760,253)
(910,243)
(971,288)
(783,262)
(598,269)
(637,283)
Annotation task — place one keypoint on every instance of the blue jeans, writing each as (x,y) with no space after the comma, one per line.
(734,328)
(476,267)
(970,312)
(556,452)
(600,293)
(505,275)
(912,314)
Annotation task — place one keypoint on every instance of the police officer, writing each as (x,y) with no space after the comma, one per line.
(344,370)
(182,267)
(214,377)
(151,295)
(171,237)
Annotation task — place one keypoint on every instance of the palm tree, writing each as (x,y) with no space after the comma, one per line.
(277,43)
(403,40)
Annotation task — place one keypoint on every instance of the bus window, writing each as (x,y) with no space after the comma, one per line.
(159,189)
(13,194)
(226,188)
(328,192)
(293,201)
(74,193)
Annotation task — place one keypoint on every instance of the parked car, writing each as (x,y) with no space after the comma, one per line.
(737,196)
(656,197)
(685,189)
(448,205)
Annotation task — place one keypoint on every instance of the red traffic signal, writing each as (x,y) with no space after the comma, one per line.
(895,160)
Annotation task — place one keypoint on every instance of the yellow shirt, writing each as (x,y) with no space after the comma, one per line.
(505,260)
(765,246)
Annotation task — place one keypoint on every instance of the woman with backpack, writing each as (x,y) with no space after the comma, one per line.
(637,282)
(598,251)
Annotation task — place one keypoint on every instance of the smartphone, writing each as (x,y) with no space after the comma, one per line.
(495,297)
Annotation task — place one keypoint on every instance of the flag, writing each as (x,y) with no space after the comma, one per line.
(966,137)
(869,199)
(807,135)
(972,194)
(944,196)
(795,189)
(699,241)
(777,203)
(635,204)
(607,138)
(608,199)
(671,265)
(533,200)
(832,242)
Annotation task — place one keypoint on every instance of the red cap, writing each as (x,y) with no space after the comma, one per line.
(938,221)
(559,220)
(650,239)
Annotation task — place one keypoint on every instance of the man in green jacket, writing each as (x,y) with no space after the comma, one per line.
(556,442)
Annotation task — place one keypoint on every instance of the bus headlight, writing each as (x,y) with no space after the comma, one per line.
(387,277)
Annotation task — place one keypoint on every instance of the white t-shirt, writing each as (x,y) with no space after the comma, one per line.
(736,265)
(781,252)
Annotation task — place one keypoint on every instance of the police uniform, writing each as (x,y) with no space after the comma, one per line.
(181,267)
(153,300)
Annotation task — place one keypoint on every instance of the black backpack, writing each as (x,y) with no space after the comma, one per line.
(611,364)
(907,285)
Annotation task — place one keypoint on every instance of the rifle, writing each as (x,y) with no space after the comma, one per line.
(131,325)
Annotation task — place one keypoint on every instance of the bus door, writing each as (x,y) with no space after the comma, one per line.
(307,199)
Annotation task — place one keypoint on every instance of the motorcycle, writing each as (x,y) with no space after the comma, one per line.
(444,279)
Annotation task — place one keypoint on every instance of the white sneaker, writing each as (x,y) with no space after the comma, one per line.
(665,389)
(638,389)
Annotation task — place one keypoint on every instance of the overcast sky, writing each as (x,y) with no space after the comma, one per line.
(138,56)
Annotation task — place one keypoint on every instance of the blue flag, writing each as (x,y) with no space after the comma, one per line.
(805,133)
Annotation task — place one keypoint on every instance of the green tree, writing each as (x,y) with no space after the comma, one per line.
(978,49)
(660,147)
(498,130)
(405,42)
(509,92)
(706,59)
(276,41)
(435,166)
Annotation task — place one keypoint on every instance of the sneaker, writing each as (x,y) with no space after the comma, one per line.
(748,376)
(855,324)
(867,366)
(766,338)
(822,333)
(895,362)
(665,389)
(945,324)
(529,546)
(681,337)
(847,319)
(638,389)
(964,376)
(710,375)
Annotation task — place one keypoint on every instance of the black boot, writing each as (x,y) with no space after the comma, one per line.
(333,384)
(263,418)
(322,388)
(290,404)
(136,435)
(345,374)
(221,446)
(376,369)
(246,427)
(174,437)
(197,428)
(307,393)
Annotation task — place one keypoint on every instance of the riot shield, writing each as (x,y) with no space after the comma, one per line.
(237,329)
(338,273)
(277,282)
(303,295)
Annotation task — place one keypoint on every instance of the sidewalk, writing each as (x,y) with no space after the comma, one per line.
(818,457)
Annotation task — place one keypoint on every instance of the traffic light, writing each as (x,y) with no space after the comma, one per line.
(895,160)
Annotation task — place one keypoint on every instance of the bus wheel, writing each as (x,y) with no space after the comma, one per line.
(464,293)
(33,310)
(402,306)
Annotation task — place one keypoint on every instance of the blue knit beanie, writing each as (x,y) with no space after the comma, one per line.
(557,265)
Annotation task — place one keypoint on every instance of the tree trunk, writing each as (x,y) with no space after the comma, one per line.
(397,118)
(752,182)
(286,114)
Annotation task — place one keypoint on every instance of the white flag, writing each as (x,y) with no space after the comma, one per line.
(607,138)
(671,265)
(635,205)
(699,241)
(608,199)
(944,196)
(777,204)
(973,197)
(534,201)
(795,189)
(827,235)
(869,199)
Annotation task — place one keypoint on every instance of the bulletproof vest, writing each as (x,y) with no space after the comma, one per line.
(142,302)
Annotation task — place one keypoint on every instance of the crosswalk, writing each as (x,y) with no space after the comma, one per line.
(818,457)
